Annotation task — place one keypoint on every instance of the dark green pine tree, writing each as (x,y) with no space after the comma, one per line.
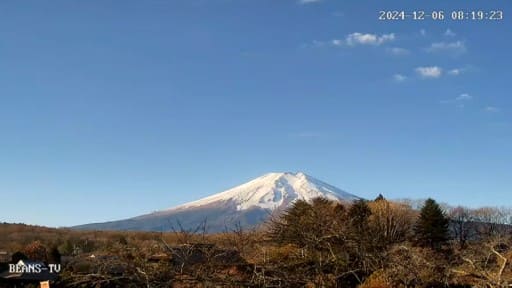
(431,228)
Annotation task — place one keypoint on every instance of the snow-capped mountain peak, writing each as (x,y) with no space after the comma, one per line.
(246,205)
(271,191)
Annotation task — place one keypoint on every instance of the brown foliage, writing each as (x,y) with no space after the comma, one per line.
(376,280)
(486,264)
(318,244)
(410,266)
(36,251)
(390,222)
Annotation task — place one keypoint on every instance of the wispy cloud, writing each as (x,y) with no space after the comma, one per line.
(357,38)
(455,72)
(337,42)
(423,32)
(459,101)
(464,97)
(399,78)
(434,72)
(429,71)
(449,33)
(491,109)
(303,2)
(314,44)
(368,39)
(317,43)
(398,51)
(457,47)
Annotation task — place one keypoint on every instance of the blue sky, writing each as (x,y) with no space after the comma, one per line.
(112,109)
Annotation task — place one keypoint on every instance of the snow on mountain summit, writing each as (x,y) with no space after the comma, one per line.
(246,205)
(271,191)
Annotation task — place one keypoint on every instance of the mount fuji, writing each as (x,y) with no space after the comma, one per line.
(248,205)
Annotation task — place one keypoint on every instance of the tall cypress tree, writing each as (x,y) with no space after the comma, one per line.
(431,228)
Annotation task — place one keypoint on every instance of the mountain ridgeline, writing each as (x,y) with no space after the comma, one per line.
(247,205)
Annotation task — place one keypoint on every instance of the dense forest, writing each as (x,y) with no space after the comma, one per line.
(365,244)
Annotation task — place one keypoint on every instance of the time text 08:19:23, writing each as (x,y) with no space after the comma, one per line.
(455,15)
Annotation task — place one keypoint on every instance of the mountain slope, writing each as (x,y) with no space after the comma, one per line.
(249,204)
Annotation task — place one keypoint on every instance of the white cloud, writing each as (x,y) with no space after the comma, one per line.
(459,100)
(491,109)
(364,39)
(464,97)
(368,39)
(437,72)
(457,47)
(455,72)
(398,51)
(309,1)
(449,33)
(314,44)
(430,72)
(337,42)
(423,32)
(399,78)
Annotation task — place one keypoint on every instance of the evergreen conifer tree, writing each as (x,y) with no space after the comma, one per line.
(431,228)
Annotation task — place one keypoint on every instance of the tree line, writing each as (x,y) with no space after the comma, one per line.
(322,243)
(382,243)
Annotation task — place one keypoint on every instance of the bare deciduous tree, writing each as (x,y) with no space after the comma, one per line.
(488,265)
(462,224)
(390,222)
